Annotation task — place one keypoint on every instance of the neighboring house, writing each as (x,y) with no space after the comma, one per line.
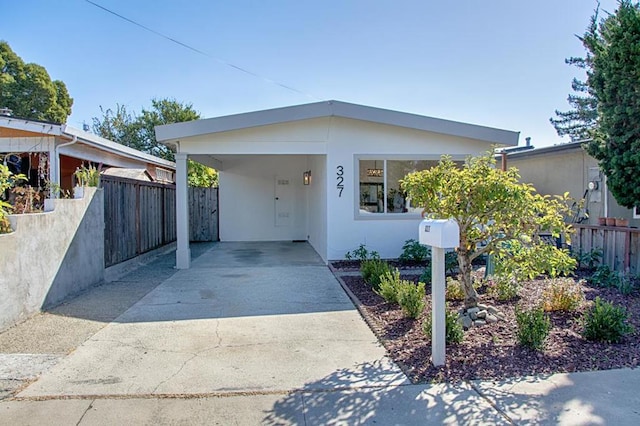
(569,168)
(135,174)
(327,172)
(52,152)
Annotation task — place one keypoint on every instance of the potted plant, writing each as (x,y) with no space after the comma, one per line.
(622,222)
(85,176)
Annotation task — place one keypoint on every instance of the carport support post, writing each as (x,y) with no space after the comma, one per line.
(438,306)
(183,253)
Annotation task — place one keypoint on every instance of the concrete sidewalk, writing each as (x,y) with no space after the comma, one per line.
(591,398)
(261,333)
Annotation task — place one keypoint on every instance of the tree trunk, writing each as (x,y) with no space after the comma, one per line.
(470,294)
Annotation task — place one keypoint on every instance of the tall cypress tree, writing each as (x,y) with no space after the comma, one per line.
(614,80)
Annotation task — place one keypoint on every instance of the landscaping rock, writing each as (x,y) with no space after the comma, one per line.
(492,310)
(479,322)
(481,314)
(466,322)
(491,318)
(473,311)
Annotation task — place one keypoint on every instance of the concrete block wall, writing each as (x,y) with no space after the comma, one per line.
(51,256)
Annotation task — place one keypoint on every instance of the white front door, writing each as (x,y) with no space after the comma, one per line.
(283,201)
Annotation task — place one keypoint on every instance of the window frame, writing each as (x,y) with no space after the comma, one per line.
(385,215)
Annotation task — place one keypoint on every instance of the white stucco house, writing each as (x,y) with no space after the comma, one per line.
(326,172)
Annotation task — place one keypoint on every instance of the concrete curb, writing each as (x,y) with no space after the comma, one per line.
(115,272)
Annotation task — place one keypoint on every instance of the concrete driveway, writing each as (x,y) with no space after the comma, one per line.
(246,318)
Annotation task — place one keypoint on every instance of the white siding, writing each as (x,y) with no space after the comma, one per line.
(247,198)
(350,139)
(317,202)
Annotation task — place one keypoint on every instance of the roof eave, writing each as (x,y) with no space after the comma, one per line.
(169,134)
(27,125)
(115,148)
(547,150)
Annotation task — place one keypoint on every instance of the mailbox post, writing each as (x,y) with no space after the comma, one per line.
(440,234)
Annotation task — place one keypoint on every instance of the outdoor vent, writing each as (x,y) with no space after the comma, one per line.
(5,111)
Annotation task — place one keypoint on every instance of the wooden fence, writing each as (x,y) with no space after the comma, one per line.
(203,214)
(620,246)
(141,216)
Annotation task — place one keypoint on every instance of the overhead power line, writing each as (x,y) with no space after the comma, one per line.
(200,52)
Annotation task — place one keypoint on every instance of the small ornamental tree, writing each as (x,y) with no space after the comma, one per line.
(492,208)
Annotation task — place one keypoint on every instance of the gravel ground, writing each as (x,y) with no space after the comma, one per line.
(492,351)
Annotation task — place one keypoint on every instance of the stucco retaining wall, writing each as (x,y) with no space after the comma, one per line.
(51,256)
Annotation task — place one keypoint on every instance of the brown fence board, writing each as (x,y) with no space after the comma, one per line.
(135,217)
(203,214)
(141,216)
(620,246)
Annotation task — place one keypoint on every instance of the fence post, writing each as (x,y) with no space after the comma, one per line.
(138,225)
(162,202)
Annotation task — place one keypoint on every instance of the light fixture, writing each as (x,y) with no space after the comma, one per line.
(375,172)
(306,177)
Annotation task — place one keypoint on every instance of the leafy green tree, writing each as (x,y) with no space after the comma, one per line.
(137,131)
(614,80)
(163,111)
(492,208)
(27,89)
(201,176)
(118,125)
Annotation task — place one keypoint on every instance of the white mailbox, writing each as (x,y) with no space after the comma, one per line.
(442,233)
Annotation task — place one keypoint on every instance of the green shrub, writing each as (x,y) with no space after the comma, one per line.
(7,181)
(525,261)
(588,259)
(625,284)
(413,251)
(562,294)
(372,270)
(603,276)
(426,275)
(450,262)
(533,327)
(605,322)
(503,287)
(362,254)
(454,289)
(411,298)
(389,286)
(454,333)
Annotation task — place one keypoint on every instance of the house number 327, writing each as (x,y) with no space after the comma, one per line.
(340,180)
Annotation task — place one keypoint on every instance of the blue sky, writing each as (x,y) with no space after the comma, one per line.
(498,63)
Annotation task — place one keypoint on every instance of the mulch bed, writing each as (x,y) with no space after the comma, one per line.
(492,351)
